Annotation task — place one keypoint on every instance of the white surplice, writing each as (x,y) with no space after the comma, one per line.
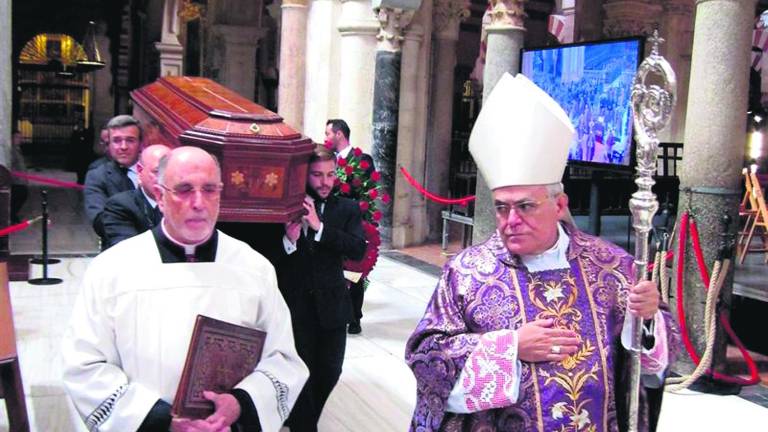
(133,319)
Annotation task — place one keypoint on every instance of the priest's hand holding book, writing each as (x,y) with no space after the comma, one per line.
(226,413)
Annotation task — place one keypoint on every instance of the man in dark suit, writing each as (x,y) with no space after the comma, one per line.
(133,212)
(117,175)
(337,132)
(310,276)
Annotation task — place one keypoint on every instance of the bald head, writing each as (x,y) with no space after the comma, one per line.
(149,162)
(188,191)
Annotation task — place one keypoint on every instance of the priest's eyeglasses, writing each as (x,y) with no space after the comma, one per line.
(186,191)
(523,208)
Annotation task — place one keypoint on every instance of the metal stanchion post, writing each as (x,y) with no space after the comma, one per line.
(45,280)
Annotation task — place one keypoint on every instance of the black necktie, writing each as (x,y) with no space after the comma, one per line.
(157,215)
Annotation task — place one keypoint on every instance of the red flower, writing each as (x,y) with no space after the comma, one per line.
(342,162)
(375,176)
(385,198)
(356,182)
(364,206)
(344,188)
(364,165)
(373,193)
(357,152)
(377,215)
(348,170)
(328,144)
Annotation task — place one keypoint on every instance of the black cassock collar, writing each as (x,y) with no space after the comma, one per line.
(171,252)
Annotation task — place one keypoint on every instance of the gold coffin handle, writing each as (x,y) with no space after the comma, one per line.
(255,129)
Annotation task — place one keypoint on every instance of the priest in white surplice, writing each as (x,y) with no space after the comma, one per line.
(125,349)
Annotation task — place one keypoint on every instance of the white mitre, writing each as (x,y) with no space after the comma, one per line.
(521,136)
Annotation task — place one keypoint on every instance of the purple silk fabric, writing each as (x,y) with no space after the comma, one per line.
(484,288)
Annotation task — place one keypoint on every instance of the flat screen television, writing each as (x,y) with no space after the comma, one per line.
(592,81)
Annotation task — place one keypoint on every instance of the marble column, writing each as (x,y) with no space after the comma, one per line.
(321,82)
(232,43)
(293,51)
(445,33)
(505,38)
(358,27)
(715,138)
(677,30)
(6,84)
(409,212)
(103,102)
(386,105)
(169,48)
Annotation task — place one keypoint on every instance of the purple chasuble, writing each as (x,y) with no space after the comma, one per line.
(484,289)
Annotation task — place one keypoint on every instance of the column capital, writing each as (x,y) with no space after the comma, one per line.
(631,17)
(507,14)
(392,25)
(447,15)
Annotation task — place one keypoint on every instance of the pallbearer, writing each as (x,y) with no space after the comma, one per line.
(528,330)
(131,325)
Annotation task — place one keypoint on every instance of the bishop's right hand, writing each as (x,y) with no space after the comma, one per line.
(538,341)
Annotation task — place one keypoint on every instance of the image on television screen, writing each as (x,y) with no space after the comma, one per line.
(593,83)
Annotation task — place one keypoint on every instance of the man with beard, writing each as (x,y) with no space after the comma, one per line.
(311,278)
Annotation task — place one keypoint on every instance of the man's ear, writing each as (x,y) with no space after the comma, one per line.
(158,191)
(561,201)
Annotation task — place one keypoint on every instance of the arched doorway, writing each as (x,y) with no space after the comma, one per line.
(55,99)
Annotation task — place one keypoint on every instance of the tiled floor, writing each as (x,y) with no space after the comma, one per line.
(376,391)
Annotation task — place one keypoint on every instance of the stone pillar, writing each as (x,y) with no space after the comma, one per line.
(321,84)
(103,101)
(358,27)
(237,68)
(505,38)
(6,84)
(715,138)
(234,37)
(677,30)
(293,51)
(445,33)
(386,104)
(170,49)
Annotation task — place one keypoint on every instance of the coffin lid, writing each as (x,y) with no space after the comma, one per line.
(195,105)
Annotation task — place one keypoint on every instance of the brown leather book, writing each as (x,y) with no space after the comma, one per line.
(220,355)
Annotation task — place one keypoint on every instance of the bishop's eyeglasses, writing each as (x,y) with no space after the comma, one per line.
(523,208)
(186,191)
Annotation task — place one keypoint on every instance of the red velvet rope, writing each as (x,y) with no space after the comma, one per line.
(754,376)
(47,180)
(432,197)
(18,227)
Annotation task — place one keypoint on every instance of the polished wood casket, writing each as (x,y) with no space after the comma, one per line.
(263,160)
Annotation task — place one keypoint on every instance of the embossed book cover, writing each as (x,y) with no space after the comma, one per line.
(220,355)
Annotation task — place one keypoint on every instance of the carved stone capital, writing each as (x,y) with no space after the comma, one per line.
(447,14)
(507,13)
(189,11)
(631,17)
(392,25)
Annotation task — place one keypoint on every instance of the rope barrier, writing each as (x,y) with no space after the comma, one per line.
(433,197)
(18,227)
(754,378)
(47,180)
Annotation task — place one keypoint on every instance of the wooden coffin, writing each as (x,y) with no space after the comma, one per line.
(263,160)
